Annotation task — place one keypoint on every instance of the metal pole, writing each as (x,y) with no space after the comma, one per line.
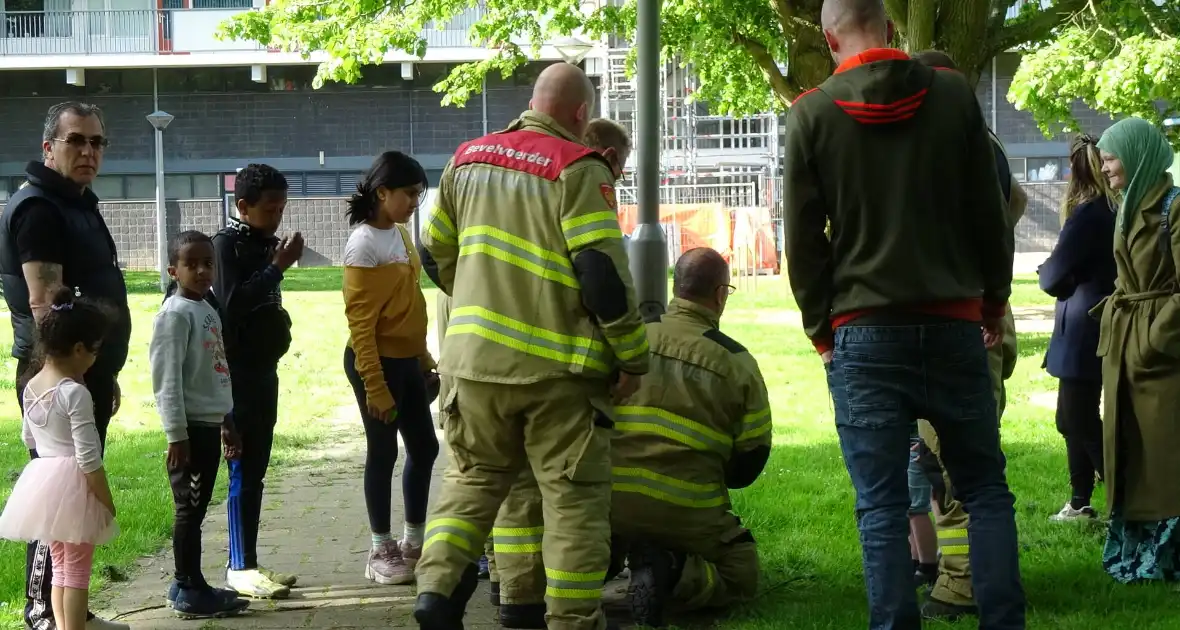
(161,223)
(993,73)
(648,249)
(484,93)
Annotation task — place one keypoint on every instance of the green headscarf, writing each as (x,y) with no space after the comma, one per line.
(1146,157)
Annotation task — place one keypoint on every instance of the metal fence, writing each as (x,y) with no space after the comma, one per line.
(730,195)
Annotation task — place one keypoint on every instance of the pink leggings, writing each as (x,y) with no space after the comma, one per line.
(71,564)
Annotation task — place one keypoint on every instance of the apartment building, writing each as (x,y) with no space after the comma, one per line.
(236,102)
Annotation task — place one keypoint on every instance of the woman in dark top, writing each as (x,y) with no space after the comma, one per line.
(1080,273)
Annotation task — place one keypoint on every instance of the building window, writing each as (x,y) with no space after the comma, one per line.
(108,186)
(178,186)
(322,184)
(205,187)
(140,187)
(1044,169)
(1017,166)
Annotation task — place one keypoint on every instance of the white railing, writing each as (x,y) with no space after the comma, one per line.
(153,31)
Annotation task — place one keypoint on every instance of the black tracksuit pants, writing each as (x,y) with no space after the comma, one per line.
(256,411)
(192,490)
(38,565)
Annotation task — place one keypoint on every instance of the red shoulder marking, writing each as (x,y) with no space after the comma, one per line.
(873,113)
(525,151)
(800,97)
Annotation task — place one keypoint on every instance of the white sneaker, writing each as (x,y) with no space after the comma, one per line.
(254,584)
(1068,513)
(98,623)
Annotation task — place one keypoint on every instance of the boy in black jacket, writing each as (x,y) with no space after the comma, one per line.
(257,333)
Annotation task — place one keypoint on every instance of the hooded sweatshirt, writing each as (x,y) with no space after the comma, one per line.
(896,156)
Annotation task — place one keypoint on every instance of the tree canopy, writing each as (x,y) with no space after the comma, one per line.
(1120,57)
(737,48)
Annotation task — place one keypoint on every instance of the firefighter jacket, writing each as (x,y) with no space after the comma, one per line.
(525,238)
(699,423)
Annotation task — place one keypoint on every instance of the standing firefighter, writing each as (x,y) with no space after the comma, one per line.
(527,243)
(699,426)
(952,595)
(516,565)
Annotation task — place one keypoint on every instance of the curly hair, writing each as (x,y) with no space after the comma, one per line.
(256,180)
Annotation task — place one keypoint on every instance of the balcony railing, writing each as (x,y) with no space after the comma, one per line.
(165,31)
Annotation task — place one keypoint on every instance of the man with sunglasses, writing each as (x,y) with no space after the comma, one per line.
(52,235)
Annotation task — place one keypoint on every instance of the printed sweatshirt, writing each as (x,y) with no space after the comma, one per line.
(190,374)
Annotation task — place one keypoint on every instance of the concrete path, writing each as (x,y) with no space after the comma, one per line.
(314,525)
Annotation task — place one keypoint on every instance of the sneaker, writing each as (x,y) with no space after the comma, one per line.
(173,590)
(208,603)
(484,571)
(279,578)
(98,623)
(410,554)
(1068,513)
(386,565)
(252,583)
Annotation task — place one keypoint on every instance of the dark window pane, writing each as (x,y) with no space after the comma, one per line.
(205,187)
(108,187)
(178,187)
(141,187)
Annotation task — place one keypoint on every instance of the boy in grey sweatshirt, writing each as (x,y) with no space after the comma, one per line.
(190,377)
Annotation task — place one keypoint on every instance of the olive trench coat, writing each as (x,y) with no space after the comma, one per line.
(1139,342)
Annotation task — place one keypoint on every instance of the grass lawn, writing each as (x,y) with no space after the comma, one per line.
(801,510)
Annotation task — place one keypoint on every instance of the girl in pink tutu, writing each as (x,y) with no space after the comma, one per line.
(62,497)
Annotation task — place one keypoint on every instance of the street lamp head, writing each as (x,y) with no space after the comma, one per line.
(160,120)
(573,49)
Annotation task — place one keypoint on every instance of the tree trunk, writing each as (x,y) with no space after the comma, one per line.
(962,28)
(919,24)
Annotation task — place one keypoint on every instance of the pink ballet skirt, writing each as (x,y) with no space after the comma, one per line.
(52,502)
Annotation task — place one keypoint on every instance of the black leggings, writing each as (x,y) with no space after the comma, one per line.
(406,383)
(1079,419)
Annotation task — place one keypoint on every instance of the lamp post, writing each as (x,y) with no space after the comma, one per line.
(573,49)
(160,121)
(648,250)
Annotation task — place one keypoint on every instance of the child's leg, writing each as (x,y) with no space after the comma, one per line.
(417,430)
(71,584)
(59,608)
(256,411)
(192,489)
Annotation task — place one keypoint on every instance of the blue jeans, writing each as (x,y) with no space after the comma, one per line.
(882,378)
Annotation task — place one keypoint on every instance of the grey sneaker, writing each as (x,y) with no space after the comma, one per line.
(386,565)
(410,554)
(1069,514)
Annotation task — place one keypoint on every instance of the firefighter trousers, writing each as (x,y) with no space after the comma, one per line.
(720,555)
(557,429)
(954,565)
(514,550)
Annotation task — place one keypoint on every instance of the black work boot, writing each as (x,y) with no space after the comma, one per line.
(494,593)
(437,612)
(526,616)
(654,573)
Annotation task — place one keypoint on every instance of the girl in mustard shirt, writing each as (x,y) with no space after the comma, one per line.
(386,359)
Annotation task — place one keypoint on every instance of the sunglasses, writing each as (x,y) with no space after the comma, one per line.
(79,141)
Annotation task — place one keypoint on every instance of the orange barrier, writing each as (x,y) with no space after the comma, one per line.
(753,240)
(747,231)
(688,225)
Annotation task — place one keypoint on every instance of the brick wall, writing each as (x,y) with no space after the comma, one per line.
(1017,127)
(133,226)
(325,229)
(254,125)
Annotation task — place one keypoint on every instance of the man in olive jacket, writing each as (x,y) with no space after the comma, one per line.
(896,156)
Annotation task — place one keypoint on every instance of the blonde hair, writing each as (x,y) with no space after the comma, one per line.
(603,133)
(1086,181)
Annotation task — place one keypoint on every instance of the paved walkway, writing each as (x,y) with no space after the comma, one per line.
(314,525)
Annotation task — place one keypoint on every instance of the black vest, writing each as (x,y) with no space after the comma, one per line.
(91,265)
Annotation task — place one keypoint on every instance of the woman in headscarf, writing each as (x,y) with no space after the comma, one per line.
(1139,344)
(1080,273)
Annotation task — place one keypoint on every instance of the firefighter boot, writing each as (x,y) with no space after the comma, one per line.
(654,574)
(437,612)
(530,616)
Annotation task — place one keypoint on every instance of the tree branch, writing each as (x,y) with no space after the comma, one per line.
(1037,26)
(1000,10)
(783,88)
